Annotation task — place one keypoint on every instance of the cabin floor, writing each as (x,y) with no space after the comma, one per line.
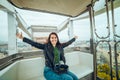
(88,77)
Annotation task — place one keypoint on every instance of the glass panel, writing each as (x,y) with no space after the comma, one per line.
(82,30)
(117,22)
(116,28)
(3,34)
(102,20)
(118,58)
(118,51)
(103,61)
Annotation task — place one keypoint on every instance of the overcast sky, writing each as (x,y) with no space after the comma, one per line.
(81,27)
(38,18)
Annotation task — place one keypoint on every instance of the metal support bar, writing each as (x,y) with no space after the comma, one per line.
(92,39)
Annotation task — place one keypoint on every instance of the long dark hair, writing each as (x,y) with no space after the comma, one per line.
(53,33)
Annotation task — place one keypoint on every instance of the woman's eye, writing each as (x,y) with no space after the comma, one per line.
(53,37)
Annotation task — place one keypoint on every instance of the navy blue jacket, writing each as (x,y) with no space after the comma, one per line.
(48,50)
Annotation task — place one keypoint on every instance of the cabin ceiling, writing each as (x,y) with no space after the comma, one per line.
(70,8)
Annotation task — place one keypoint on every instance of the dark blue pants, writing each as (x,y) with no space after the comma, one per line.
(50,75)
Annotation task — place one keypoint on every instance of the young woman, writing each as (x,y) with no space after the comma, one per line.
(54,54)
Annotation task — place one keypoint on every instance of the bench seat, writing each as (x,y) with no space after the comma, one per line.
(80,63)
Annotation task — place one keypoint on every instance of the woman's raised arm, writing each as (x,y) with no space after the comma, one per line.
(35,44)
(69,42)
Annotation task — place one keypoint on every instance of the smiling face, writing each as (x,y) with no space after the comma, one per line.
(53,39)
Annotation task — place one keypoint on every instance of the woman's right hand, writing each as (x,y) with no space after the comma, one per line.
(19,35)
